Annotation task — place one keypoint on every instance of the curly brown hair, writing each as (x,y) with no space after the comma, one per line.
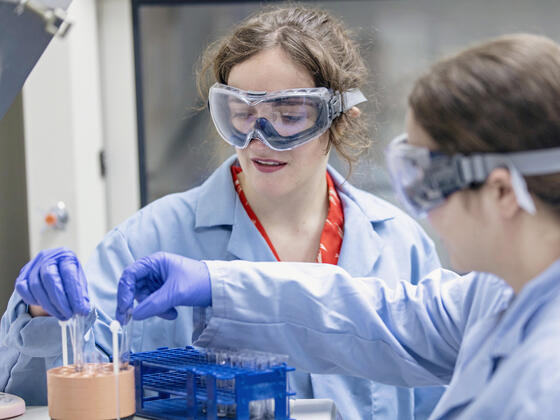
(313,39)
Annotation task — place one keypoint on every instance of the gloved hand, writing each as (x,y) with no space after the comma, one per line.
(55,280)
(160,282)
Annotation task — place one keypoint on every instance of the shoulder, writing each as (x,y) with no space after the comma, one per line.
(536,368)
(484,293)
(182,208)
(387,219)
(172,208)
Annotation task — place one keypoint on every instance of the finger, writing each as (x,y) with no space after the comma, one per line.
(22,281)
(40,294)
(170,315)
(125,297)
(22,284)
(55,289)
(138,281)
(155,304)
(144,268)
(75,285)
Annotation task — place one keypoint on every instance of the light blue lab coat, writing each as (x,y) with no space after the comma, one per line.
(209,222)
(500,355)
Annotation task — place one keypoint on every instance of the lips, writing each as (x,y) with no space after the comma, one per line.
(268,165)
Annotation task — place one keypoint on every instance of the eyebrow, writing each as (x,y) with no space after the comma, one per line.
(234,100)
(289,101)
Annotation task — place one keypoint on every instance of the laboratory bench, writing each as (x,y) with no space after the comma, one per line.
(302,409)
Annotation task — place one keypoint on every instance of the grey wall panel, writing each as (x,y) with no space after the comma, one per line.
(14,242)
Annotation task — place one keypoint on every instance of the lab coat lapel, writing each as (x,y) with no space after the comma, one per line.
(532,298)
(218,205)
(471,382)
(216,199)
(246,242)
(361,245)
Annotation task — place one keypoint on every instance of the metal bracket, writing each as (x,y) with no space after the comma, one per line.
(54,18)
(335,106)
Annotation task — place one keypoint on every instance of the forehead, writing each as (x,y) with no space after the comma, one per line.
(417,135)
(269,70)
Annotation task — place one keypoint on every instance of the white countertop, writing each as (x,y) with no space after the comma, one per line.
(299,409)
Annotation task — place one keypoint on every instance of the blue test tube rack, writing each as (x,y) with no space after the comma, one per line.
(187,383)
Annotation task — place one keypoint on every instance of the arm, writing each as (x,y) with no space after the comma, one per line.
(325,320)
(27,346)
(30,345)
(328,322)
(54,282)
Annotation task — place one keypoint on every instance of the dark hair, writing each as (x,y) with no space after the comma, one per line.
(499,96)
(313,39)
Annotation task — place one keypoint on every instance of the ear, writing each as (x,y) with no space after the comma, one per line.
(502,193)
(354,112)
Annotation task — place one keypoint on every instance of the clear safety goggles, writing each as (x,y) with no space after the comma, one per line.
(423,179)
(281,119)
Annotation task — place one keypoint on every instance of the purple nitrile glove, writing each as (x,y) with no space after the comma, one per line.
(159,282)
(55,280)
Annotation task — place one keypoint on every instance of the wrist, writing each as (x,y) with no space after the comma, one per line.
(36,310)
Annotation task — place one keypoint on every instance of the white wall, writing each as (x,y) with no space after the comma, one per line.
(63,137)
(119,108)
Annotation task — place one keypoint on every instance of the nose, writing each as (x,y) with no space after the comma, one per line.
(257,144)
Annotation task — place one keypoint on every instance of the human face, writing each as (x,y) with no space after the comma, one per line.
(459,221)
(269,172)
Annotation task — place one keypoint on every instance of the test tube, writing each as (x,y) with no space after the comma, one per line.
(125,345)
(63,325)
(77,325)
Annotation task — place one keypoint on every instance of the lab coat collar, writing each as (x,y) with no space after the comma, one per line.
(471,382)
(510,331)
(246,242)
(219,205)
(512,327)
(217,198)
(375,210)
(363,213)
(361,246)
(216,209)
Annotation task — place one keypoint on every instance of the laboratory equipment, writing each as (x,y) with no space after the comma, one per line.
(281,119)
(26,28)
(57,216)
(197,383)
(423,178)
(11,406)
(91,390)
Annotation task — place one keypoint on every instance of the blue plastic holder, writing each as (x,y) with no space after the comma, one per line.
(190,383)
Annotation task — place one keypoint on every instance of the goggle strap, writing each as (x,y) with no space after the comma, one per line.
(536,162)
(476,168)
(349,98)
(352,98)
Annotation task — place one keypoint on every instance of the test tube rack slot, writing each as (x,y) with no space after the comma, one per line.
(187,383)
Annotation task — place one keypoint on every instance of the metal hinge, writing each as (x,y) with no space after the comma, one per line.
(54,17)
(102,164)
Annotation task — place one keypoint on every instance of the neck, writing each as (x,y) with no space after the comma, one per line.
(295,210)
(535,246)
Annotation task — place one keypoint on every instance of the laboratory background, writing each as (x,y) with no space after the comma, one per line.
(109,118)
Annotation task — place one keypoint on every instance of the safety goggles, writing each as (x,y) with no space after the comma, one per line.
(423,179)
(281,119)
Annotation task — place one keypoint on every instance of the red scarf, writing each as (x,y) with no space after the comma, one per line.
(333,230)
